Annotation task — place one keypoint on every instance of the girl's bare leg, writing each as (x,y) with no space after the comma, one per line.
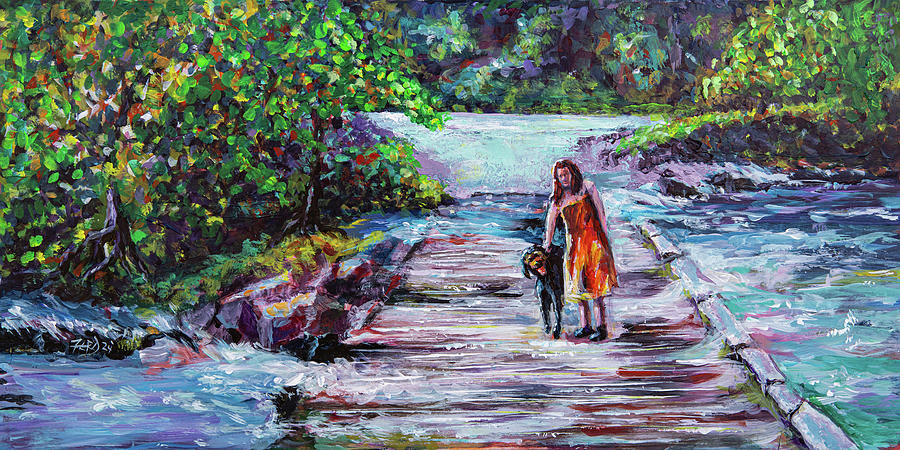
(600,333)
(584,313)
(600,312)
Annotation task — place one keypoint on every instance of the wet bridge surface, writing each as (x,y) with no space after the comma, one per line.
(458,358)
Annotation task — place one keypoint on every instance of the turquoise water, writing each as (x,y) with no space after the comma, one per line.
(814,275)
(501,152)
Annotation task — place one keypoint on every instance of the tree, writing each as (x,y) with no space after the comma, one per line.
(122,121)
(280,79)
(343,67)
(794,51)
(67,158)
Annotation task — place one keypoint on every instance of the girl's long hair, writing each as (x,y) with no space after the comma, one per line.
(577,179)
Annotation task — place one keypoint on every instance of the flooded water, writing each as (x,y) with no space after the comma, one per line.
(813,273)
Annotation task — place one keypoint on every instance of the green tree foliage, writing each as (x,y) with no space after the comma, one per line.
(125,122)
(504,56)
(794,51)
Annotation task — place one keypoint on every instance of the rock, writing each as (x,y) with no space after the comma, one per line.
(761,364)
(729,184)
(787,400)
(286,401)
(809,174)
(38,322)
(324,348)
(818,431)
(850,176)
(674,188)
(664,249)
(293,311)
(721,319)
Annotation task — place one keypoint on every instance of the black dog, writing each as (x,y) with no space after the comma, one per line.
(547,268)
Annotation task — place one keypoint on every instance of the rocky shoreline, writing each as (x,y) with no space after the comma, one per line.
(713,160)
(304,314)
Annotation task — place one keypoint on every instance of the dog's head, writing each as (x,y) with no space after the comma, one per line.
(535,260)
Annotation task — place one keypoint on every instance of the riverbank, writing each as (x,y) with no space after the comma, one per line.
(807,270)
(222,386)
(695,156)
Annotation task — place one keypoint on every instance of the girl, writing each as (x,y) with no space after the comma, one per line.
(590,271)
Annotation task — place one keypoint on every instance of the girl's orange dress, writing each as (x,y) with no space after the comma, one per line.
(590,271)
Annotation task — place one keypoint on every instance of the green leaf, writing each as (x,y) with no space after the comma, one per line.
(77,174)
(35,241)
(118,28)
(231,140)
(320,31)
(135,167)
(49,163)
(183,48)
(334,7)
(19,59)
(27,257)
(346,43)
(54,177)
(138,235)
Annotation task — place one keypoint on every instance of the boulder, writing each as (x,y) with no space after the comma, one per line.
(675,188)
(38,322)
(818,431)
(304,313)
(728,183)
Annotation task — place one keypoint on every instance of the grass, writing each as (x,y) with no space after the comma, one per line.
(219,274)
(675,128)
(679,123)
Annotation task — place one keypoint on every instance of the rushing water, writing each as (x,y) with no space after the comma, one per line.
(813,273)
(501,152)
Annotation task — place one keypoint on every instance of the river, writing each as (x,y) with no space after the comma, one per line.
(812,271)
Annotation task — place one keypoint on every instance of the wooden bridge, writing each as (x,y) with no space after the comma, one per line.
(458,358)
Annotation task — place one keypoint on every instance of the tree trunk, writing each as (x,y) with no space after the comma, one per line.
(307,218)
(313,218)
(116,233)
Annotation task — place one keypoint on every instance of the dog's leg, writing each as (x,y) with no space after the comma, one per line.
(557,305)
(546,301)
